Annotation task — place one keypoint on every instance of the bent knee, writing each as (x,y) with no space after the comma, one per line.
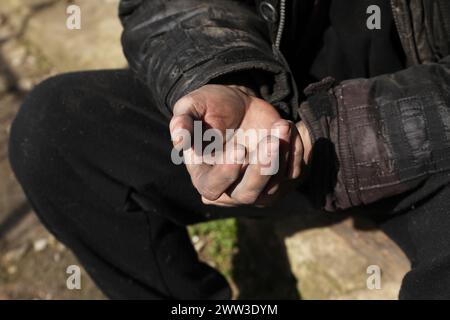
(34,134)
(40,108)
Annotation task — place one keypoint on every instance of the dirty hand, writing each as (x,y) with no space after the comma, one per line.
(239,182)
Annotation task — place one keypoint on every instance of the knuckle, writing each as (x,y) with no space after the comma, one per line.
(210,195)
(204,188)
(184,102)
(187,99)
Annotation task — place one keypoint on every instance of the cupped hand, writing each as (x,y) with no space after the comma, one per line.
(242,181)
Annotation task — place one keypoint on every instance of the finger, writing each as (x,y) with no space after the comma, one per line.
(211,181)
(282,129)
(184,114)
(181,130)
(296,155)
(254,181)
(190,105)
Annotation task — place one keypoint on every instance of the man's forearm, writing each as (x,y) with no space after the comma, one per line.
(375,138)
(171,51)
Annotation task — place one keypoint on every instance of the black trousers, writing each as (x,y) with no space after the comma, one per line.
(93,156)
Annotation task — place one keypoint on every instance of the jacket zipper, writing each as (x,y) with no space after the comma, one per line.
(281,24)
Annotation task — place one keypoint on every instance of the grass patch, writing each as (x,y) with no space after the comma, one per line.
(215,242)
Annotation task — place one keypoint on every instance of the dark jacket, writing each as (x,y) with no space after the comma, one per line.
(373,138)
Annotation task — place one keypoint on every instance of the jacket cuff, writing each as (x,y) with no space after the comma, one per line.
(325,185)
(277,88)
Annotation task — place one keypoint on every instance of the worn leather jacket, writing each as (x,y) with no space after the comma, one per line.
(373,138)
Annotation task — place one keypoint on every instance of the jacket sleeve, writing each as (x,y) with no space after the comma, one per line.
(379,137)
(177,46)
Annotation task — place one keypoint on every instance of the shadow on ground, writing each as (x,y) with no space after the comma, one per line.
(316,255)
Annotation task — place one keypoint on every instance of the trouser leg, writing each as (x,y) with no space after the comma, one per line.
(423,232)
(93,156)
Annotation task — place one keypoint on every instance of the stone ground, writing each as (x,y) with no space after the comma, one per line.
(307,256)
